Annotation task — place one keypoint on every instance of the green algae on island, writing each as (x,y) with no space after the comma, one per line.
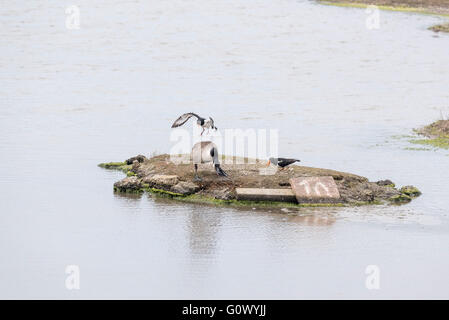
(435,135)
(162,177)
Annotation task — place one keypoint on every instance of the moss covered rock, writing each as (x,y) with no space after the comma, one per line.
(410,191)
(401,198)
(129,184)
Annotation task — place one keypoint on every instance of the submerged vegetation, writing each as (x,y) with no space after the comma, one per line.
(442,143)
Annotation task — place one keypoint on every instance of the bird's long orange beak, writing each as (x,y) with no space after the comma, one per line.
(268,163)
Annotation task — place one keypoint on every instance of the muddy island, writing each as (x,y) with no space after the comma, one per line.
(250,183)
(436,134)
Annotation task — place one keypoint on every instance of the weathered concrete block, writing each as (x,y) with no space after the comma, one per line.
(315,189)
(258,194)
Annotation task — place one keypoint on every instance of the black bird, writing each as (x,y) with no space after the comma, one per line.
(202,122)
(281,162)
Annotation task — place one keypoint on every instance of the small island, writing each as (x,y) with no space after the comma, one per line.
(161,176)
(436,135)
(436,7)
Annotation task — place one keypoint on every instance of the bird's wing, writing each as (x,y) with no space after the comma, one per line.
(285,162)
(287,159)
(182,119)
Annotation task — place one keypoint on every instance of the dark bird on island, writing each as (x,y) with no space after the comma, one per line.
(202,122)
(206,152)
(281,162)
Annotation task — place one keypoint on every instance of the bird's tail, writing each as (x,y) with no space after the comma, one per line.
(220,171)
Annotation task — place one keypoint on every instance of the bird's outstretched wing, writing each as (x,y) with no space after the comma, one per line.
(283,162)
(182,119)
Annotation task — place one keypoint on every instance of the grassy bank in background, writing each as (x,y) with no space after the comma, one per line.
(436,7)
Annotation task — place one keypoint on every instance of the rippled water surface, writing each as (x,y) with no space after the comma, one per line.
(341,96)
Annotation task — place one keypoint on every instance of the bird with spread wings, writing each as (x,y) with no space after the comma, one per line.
(202,122)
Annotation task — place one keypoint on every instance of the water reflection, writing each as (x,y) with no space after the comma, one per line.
(313,219)
(203,229)
(128,197)
(202,222)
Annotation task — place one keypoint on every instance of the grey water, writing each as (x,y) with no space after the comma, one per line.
(341,95)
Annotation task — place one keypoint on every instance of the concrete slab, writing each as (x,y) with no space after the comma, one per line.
(315,189)
(258,194)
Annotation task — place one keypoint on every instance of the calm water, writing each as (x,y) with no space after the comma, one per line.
(339,94)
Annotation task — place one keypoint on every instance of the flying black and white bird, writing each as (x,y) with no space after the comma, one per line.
(281,162)
(206,152)
(202,122)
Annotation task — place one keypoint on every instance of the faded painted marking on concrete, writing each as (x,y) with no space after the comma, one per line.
(315,189)
(258,194)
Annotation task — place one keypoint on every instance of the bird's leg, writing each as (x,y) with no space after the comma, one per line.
(196,178)
(202,132)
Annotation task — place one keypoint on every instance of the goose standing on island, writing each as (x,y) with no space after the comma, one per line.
(206,152)
(202,122)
